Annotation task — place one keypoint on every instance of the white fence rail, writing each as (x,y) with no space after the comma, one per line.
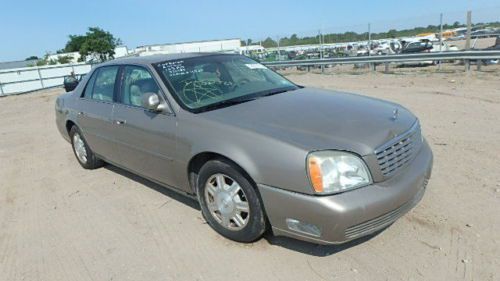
(21,80)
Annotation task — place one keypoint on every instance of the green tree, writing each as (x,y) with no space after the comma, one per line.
(269,43)
(392,33)
(96,42)
(32,58)
(64,59)
(43,61)
(100,43)
(74,43)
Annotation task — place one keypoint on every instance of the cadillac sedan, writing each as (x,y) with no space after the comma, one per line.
(256,150)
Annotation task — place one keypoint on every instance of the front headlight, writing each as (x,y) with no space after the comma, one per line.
(336,171)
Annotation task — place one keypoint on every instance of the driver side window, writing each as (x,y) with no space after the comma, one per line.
(136,82)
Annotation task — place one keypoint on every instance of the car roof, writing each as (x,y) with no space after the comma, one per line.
(156,58)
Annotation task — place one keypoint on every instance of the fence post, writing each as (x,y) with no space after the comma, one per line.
(479,64)
(386,67)
(40,77)
(1,89)
(467,65)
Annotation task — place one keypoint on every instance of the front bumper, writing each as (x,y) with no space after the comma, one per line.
(353,214)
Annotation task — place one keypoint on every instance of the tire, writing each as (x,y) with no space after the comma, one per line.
(217,205)
(90,160)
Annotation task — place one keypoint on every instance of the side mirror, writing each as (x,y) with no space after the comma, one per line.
(152,101)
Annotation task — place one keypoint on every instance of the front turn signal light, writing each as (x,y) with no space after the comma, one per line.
(315,174)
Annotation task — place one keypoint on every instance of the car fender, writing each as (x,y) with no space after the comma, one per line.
(265,159)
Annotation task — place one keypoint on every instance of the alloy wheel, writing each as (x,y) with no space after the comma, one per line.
(227,202)
(79,146)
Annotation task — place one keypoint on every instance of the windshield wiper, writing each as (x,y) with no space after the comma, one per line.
(243,99)
(252,97)
(237,100)
(276,92)
(226,103)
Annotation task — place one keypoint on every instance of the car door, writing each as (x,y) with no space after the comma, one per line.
(94,116)
(146,140)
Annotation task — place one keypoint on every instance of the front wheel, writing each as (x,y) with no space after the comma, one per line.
(229,202)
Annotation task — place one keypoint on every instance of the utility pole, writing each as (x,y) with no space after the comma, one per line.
(441,32)
(369,47)
(279,52)
(467,42)
(469,30)
(320,37)
(369,39)
(440,36)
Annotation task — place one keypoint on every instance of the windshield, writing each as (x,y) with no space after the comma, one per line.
(213,81)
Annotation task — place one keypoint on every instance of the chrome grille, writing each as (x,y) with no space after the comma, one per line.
(398,152)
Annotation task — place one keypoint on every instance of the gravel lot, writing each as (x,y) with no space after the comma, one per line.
(61,222)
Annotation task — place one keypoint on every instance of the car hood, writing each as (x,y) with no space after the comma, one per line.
(316,119)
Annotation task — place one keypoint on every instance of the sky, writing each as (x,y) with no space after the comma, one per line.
(36,27)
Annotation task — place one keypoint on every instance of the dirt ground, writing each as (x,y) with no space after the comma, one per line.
(61,222)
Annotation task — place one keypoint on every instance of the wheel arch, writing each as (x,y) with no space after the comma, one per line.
(69,124)
(198,160)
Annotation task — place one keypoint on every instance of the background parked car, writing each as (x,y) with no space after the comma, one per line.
(417,47)
(414,48)
(71,81)
(486,32)
(495,47)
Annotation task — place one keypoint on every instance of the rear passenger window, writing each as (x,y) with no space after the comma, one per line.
(105,83)
(90,86)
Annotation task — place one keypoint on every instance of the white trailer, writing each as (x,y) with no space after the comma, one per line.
(225,46)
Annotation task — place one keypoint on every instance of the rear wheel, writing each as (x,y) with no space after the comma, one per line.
(84,155)
(230,202)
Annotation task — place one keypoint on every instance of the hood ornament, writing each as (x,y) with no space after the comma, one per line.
(395,114)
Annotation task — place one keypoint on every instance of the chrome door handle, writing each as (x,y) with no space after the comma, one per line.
(120,122)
